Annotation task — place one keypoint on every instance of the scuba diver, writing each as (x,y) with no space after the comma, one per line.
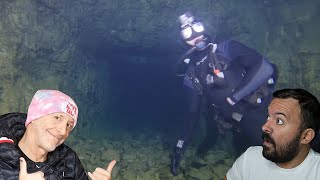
(233,81)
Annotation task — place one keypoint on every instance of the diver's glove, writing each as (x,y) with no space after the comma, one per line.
(175,161)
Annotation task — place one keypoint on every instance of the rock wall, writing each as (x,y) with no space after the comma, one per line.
(38,50)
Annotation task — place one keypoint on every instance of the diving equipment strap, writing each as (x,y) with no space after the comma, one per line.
(192,81)
(184,59)
(217,65)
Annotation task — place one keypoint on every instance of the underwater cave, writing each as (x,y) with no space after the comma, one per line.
(115,59)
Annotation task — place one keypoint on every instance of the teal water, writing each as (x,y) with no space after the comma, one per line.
(141,117)
(115,58)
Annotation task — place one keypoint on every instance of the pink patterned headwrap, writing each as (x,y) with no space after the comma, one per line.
(45,102)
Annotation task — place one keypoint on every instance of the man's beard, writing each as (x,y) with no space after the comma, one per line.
(281,153)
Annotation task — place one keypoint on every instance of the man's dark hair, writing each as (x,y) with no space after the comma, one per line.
(309,106)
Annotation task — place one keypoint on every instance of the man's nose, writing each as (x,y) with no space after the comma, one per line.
(267,127)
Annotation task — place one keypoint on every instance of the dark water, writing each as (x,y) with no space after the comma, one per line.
(148,93)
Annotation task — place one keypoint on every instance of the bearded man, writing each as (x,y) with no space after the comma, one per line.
(292,125)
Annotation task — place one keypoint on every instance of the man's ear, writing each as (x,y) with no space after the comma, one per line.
(307,136)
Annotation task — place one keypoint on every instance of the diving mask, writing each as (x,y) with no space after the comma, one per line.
(190,29)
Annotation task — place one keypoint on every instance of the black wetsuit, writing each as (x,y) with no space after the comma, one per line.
(233,71)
